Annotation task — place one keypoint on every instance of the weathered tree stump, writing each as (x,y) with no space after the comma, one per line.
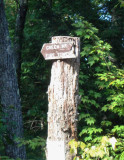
(63,100)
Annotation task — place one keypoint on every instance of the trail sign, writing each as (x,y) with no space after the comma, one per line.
(58,51)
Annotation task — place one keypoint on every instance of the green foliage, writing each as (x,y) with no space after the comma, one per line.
(35,146)
(102,104)
(101,81)
(7,158)
(32,143)
(99,150)
(121,3)
(122,156)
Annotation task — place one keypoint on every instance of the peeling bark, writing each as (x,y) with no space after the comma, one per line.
(63,100)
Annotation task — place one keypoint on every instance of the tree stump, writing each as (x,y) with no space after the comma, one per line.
(63,98)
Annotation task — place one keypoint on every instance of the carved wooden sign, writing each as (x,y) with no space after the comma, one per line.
(58,51)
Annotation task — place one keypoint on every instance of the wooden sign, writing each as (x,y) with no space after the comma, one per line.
(58,51)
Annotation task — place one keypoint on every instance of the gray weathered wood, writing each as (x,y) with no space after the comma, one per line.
(63,100)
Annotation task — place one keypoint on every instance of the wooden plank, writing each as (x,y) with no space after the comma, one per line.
(58,51)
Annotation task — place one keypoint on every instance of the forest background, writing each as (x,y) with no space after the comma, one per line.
(100,25)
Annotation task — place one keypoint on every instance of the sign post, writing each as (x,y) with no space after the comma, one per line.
(63,95)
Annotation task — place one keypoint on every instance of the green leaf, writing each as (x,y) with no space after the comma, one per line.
(122,156)
(90,120)
(87,36)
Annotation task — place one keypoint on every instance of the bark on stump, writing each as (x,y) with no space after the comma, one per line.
(63,100)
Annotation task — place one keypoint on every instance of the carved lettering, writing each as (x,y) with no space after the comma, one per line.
(62,50)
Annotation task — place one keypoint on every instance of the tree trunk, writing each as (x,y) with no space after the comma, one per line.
(10,98)
(63,101)
(20,22)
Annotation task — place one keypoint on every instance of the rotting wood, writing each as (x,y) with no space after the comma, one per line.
(63,100)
